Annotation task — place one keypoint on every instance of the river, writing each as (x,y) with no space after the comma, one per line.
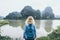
(15,28)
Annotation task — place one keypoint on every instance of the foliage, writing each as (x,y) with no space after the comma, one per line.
(29,11)
(55,35)
(26,11)
(48,13)
(3,22)
(4,38)
(13,16)
(43,38)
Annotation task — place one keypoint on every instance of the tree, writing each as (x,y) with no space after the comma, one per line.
(26,11)
(48,13)
(29,11)
(14,16)
(38,14)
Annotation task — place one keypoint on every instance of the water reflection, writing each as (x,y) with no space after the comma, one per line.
(13,32)
(16,23)
(48,25)
(37,23)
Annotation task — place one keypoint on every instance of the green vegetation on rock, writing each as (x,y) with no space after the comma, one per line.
(4,38)
(3,22)
(55,35)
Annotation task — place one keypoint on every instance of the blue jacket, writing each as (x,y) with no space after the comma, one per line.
(26,31)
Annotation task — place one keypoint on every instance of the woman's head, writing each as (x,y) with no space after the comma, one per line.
(30,20)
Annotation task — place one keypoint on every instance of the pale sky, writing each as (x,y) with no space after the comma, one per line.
(7,6)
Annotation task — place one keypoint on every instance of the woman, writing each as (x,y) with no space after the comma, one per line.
(30,31)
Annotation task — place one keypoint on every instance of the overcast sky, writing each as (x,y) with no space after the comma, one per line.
(7,6)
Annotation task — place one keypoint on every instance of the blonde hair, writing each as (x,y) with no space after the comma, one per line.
(33,22)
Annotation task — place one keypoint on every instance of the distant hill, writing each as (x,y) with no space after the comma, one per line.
(13,16)
(47,13)
(25,12)
(1,17)
(57,17)
(29,11)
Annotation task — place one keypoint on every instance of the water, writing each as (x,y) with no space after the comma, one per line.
(15,28)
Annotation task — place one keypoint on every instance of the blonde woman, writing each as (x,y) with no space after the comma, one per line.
(30,31)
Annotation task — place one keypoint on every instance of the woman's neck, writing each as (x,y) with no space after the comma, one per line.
(30,24)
